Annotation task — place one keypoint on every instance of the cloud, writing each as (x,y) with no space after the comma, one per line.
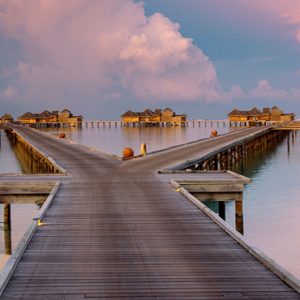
(9,93)
(265,91)
(170,65)
(298,35)
(285,10)
(75,50)
(235,92)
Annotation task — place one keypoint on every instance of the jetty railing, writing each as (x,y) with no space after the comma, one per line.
(32,158)
(224,158)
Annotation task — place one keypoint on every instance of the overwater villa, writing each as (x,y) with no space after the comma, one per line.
(6,119)
(273,114)
(156,117)
(65,118)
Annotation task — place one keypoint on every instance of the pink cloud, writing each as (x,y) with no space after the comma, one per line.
(298,35)
(262,91)
(9,93)
(159,47)
(235,92)
(285,10)
(265,91)
(72,47)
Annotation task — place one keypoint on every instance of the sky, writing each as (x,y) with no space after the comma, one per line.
(101,58)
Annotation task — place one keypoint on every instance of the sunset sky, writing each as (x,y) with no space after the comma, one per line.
(100,58)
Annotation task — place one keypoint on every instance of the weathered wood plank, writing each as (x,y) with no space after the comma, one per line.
(33,187)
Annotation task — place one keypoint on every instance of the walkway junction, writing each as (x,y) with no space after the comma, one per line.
(132,229)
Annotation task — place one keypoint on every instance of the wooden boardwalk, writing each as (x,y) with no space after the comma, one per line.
(294,125)
(115,231)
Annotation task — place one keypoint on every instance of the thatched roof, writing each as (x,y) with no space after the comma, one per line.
(45,113)
(253,112)
(146,113)
(66,111)
(7,116)
(129,113)
(236,112)
(275,108)
(27,115)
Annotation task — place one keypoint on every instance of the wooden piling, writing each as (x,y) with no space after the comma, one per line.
(239,220)
(7,228)
(222,212)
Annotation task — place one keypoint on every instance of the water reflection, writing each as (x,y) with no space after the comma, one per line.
(29,163)
(249,166)
(219,207)
(256,160)
(7,228)
(8,161)
(271,202)
(14,221)
(114,140)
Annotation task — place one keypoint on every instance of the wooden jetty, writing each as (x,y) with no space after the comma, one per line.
(24,192)
(117,230)
(294,125)
(17,192)
(189,123)
(220,186)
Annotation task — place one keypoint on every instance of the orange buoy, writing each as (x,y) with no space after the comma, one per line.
(62,135)
(214,133)
(128,153)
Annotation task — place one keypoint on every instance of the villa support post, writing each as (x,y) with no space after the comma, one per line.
(222,212)
(7,229)
(239,218)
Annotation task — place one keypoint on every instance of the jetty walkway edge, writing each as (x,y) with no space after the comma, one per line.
(116,231)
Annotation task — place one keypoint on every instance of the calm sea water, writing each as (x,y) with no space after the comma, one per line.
(21,218)
(271,201)
(114,140)
(8,161)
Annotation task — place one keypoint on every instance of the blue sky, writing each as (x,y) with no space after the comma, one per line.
(244,45)
(101,59)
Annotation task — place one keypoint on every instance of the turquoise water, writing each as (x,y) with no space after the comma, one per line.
(271,201)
